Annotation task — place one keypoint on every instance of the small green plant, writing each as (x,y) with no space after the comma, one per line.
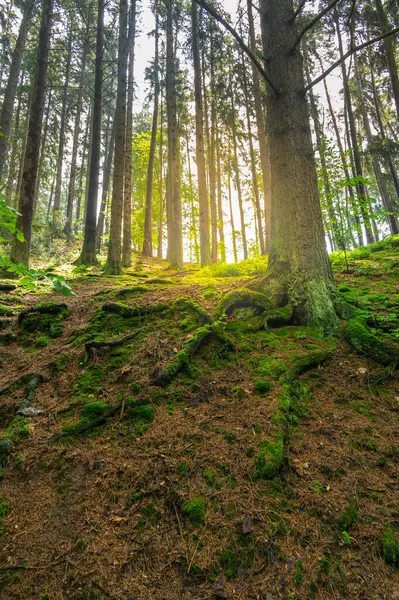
(4,509)
(182,468)
(195,510)
(346,537)
(347,519)
(299,573)
(209,477)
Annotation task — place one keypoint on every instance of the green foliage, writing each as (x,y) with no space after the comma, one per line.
(347,519)
(234,560)
(251,267)
(142,413)
(299,573)
(390,548)
(195,510)
(4,510)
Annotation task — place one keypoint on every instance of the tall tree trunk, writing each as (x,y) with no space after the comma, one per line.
(193,224)
(238,177)
(199,144)
(258,212)
(127,196)
(349,188)
(175,247)
(161,203)
(383,189)
(220,198)
(11,87)
(212,159)
(113,266)
(14,150)
(147,244)
(360,187)
(88,254)
(298,271)
(75,143)
(83,169)
(233,230)
(390,52)
(264,150)
(106,181)
(42,151)
(20,249)
(63,124)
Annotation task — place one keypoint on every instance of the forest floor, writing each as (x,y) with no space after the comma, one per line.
(170,497)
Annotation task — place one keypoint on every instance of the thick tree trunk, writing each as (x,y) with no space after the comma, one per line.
(262,138)
(299,271)
(390,52)
(113,266)
(75,143)
(199,144)
(20,250)
(63,124)
(88,254)
(175,247)
(127,195)
(147,244)
(11,87)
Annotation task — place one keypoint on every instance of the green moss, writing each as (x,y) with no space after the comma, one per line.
(142,413)
(182,468)
(347,519)
(90,382)
(195,510)
(242,298)
(4,510)
(46,318)
(5,311)
(299,574)
(18,429)
(209,477)
(390,548)
(235,561)
(360,337)
(60,363)
(91,410)
(269,458)
(6,447)
(272,367)
(262,388)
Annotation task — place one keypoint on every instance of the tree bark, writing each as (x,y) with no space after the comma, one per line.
(262,138)
(42,151)
(299,271)
(88,254)
(147,244)
(21,249)
(233,231)
(199,144)
(106,181)
(14,150)
(61,145)
(220,197)
(390,52)
(238,177)
(75,143)
(83,167)
(127,196)
(175,249)
(11,87)
(161,202)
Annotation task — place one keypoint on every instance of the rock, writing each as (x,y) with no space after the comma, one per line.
(246,525)
(31,411)
(6,447)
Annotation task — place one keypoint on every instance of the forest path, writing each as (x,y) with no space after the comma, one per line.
(229,482)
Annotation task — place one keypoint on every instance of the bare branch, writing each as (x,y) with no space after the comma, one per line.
(314,21)
(239,41)
(349,53)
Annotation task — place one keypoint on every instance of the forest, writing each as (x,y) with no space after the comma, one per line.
(199,309)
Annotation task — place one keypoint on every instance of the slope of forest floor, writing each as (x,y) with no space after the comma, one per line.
(230,480)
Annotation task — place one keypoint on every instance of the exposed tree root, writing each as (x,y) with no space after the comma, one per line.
(29,395)
(7,287)
(279,317)
(242,298)
(137,289)
(81,428)
(188,305)
(128,312)
(360,337)
(304,363)
(192,345)
(97,344)
(18,383)
(159,281)
(45,308)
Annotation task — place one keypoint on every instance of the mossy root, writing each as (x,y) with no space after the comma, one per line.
(242,298)
(81,428)
(191,346)
(45,308)
(98,344)
(304,363)
(360,337)
(134,311)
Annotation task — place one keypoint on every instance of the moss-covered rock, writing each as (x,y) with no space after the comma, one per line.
(6,447)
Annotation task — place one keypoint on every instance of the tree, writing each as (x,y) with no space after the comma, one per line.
(21,247)
(174,219)
(11,87)
(199,146)
(88,254)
